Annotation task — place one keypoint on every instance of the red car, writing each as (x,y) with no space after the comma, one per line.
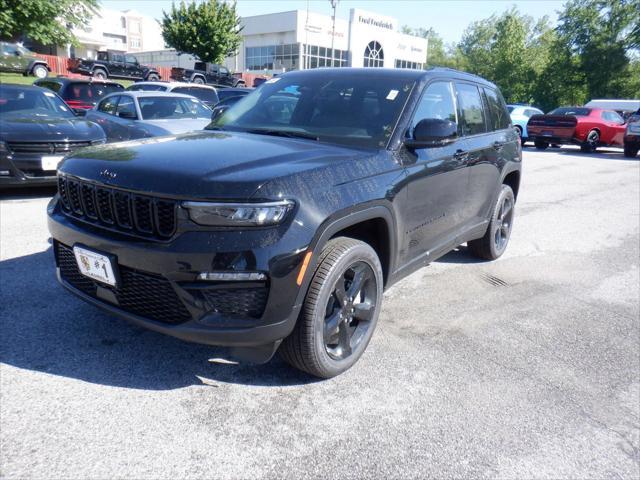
(588,127)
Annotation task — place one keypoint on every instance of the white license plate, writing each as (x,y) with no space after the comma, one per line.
(50,162)
(95,265)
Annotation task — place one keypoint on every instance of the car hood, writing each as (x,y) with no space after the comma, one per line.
(205,164)
(24,129)
(184,125)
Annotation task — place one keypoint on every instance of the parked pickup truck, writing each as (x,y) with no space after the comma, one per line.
(111,64)
(210,73)
(588,127)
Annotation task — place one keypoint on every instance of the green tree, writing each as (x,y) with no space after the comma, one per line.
(601,34)
(209,30)
(45,21)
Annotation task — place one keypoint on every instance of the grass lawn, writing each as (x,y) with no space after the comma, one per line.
(19,78)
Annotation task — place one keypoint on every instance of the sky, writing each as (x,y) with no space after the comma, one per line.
(449,18)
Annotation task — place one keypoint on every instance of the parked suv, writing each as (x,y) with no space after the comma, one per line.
(16,58)
(280,227)
(210,73)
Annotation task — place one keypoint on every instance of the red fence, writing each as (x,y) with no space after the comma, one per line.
(59,66)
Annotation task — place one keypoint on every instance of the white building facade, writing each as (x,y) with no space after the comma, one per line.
(298,39)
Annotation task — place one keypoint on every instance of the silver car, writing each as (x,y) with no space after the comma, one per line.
(132,115)
(205,93)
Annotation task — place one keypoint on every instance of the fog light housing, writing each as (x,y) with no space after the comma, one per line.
(232,276)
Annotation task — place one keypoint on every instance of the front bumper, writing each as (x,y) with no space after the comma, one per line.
(159,290)
(22,170)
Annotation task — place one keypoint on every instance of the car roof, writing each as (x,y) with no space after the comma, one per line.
(17,86)
(407,74)
(143,93)
(66,80)
(173,85)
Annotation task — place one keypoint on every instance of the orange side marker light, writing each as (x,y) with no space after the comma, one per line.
(303,269)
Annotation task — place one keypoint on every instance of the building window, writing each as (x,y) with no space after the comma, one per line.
(272,57)
(408,64)
(315,57)
(134,42)
(123,22)
(373,55)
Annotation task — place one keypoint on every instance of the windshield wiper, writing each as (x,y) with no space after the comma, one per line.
(283,133)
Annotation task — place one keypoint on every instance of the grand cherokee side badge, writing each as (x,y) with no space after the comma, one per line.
(108,175)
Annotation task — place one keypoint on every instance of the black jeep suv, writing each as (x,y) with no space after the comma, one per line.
(281,225)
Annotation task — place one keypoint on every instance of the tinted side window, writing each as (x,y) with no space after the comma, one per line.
(55,86)
(126,105)
(436,102)
(108,105)
(130,59)
(116,57)
(498,117)
(472,114)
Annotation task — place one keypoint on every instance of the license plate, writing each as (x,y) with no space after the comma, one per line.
(50,162)
(95,265)
(547,133)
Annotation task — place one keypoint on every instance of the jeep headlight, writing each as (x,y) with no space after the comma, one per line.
(238,214)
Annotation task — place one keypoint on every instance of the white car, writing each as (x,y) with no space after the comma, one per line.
(205,93)
(132,115)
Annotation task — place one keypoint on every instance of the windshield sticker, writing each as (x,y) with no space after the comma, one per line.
(392,94)
(273,80)
(49,94)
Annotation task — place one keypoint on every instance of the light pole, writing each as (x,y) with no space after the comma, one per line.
(334,4)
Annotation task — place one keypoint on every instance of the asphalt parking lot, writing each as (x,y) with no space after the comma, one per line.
(525,367)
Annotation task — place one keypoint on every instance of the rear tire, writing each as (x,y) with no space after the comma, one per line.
(540,145)
(519,132)
(153,77)
(40,71)
(340,310)
(494,242)
(630,152)
(100,74)
(591,143)
(198,80)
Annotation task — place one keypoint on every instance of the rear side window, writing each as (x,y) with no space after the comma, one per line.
(108,105)
(126,105)
(55,86)
(436,102)
(612,117)
(498,117)
(207,95)
(90,92)
(471,110)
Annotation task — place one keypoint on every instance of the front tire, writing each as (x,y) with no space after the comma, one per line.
(152,77)
(198,80)
(494,242)
(540,145)
(630,152)
(340,311)
(40,71)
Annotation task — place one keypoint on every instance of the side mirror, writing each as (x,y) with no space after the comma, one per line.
(218,111)
(433,132)
(127,115)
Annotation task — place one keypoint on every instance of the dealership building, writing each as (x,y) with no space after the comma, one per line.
(299,39)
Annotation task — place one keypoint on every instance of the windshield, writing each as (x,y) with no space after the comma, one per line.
(147,88)
(581,112)
(355,110)
(207,95)
(158,108)
(91,92)
(29,102)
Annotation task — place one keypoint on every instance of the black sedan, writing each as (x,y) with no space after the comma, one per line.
(37,129)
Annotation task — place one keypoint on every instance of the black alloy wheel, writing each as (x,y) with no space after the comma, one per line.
(591,143)
(340,310)
(350,310)
(495,240)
